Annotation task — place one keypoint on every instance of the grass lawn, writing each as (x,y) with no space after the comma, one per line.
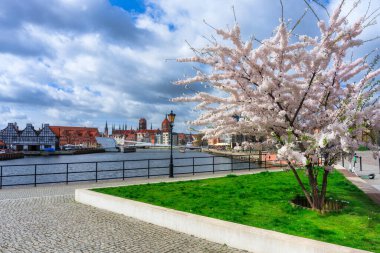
(262,200)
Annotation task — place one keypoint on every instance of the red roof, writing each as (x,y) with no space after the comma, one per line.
(56,129)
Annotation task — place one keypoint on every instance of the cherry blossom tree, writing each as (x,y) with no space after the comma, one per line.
(306,93)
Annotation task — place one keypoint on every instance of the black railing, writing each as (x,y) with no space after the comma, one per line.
(36,174)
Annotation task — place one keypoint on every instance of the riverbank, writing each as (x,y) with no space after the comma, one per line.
(11,156)
(65,152)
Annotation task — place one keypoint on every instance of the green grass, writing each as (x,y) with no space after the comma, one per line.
(262,200)
(363,148)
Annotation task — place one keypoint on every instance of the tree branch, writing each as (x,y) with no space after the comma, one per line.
(303,99)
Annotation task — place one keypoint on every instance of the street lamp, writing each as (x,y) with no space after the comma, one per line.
(171,118)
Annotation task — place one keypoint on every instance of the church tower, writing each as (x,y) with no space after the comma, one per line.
(142,124)
(165,126)
(106,130)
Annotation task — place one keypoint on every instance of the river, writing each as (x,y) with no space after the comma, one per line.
(102,166)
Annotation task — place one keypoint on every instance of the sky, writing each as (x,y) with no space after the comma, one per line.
(82,63)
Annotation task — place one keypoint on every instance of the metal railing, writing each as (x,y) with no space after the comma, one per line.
(52,173)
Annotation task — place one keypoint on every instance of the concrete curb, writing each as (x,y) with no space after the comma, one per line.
(234,235)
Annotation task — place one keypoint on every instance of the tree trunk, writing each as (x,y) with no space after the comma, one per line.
(306,193)
(324,187)
(316,197)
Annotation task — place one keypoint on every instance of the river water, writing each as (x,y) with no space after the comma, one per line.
(102,166)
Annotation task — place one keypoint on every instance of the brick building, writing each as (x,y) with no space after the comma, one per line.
(83,136)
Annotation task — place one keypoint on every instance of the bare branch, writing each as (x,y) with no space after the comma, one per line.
(323,6)
(311,8)
(282,11)
(204,21)
(192,48)
(304,97)
(299,20)
(233,10)
(369,40)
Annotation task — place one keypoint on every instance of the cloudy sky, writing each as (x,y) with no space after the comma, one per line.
(82,62)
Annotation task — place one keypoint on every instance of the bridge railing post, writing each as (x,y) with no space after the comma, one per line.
(123,170)
(148,168)
(1,177)
(96,172)
(193,165)
(35,175)
(67,173)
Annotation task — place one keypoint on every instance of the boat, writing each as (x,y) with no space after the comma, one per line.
(129,149)
(182,150)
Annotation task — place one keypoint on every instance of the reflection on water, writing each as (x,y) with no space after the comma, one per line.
(101,166)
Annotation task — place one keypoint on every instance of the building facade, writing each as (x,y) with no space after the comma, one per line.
(153,136)
(28,139)
(78,136)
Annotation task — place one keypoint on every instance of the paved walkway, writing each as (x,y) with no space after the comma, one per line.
(368,189)
(47,219)
(369,166)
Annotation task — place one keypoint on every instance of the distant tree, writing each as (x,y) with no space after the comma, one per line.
(199,140)
(306,92)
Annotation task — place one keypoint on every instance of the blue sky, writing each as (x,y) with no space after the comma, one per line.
(130,5)
(84,62)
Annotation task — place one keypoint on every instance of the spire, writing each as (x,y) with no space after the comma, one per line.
(105,134)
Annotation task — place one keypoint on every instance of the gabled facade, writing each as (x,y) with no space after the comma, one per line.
(10,134)
(28,139)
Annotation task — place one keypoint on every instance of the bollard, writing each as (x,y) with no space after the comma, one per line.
(360,160)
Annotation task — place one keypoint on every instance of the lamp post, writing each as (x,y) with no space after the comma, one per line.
(171,118)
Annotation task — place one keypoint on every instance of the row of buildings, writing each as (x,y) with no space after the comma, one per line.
(153,136)
(57,137)
(46,137)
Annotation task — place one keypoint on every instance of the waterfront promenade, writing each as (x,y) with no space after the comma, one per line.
(47,219)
